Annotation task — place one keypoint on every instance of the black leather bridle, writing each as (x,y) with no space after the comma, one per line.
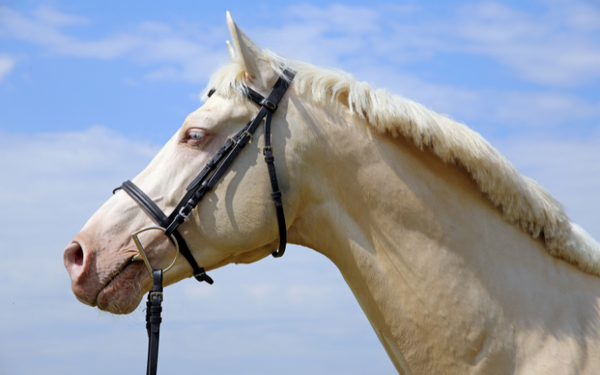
(196,190)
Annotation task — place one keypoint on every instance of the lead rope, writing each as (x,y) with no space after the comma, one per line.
(153,320)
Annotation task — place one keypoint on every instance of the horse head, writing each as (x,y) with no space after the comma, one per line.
(234,223)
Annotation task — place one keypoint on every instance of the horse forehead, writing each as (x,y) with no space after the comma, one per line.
(217,109)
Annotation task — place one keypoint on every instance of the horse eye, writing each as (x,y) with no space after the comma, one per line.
(196,136)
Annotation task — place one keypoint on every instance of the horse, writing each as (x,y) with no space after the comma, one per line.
(460,263)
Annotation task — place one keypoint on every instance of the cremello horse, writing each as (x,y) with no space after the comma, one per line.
(461,264)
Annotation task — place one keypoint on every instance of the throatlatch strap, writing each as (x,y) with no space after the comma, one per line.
(276,194)
(270,104)
(153,320)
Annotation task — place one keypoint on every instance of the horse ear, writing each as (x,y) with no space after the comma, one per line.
(230,50)
(249,54)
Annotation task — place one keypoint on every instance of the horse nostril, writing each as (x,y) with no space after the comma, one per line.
(78,257)
(73,258)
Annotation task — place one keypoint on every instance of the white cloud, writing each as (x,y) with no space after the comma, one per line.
(260,291)
(514,110)
(337,17)
(49,16)
(63,162)
(188,53)
(558,47)
(376,48)
(539,109)
(550,48)
(15,25)
(7,64)
(51,184)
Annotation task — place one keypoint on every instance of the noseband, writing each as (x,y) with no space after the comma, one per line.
(196,190)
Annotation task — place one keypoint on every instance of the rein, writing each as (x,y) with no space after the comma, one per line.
(196,190)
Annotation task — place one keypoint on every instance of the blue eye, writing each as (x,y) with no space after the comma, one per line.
(196,136)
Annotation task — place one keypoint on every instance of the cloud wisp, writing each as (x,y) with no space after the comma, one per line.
(7,64)
(184,54)
(552,49)
(559,46)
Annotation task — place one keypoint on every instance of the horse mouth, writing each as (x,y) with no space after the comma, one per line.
(121,269)
(121,293)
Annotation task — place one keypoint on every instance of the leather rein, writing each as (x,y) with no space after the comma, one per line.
(196,190)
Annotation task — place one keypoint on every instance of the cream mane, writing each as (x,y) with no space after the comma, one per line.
(521,200)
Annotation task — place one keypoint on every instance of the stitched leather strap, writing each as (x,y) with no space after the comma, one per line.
(153,320)
(276,194)
(145,202)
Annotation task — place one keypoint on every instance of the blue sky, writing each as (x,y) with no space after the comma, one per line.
(89,92)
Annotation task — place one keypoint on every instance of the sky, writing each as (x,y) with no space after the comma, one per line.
(90,91)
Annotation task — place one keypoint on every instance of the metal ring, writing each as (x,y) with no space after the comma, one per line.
(143,253)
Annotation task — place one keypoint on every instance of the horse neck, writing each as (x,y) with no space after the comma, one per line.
(430,260)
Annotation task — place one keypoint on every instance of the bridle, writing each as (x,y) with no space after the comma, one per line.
(196,190)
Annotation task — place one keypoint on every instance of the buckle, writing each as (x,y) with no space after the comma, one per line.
(248,134)
(269,104)
(159,294)
(232,141)
(267,148)
(183,214)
